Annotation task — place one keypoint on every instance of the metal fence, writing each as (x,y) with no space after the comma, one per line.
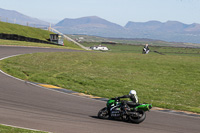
(30,24)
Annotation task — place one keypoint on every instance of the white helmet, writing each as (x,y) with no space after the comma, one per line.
(132,92)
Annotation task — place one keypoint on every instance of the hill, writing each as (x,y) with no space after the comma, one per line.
(19,18)
(171,31)
(91,25)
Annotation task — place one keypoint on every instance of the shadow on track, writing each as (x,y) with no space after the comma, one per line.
(112,119)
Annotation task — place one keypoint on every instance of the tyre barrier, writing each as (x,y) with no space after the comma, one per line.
(22,38)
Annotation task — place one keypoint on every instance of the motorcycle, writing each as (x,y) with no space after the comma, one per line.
(145,51)
(123,110)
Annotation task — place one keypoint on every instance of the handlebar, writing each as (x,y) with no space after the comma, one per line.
(116,99)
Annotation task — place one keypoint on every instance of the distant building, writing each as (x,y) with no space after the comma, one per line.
(57,39)
(100,47)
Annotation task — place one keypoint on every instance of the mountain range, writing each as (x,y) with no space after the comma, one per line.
(171,31)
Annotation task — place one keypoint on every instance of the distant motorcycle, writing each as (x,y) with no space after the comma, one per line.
(145,51)
(116,109)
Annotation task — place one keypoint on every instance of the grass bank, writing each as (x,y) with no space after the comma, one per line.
(8,129)
(168,81)
(32,44)
(29,32)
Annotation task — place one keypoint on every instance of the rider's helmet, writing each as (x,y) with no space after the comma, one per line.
(132,92)
(133,97)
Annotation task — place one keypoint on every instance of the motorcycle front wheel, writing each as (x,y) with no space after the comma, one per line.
(103,113)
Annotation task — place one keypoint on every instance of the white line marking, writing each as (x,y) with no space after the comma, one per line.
(6,73)
(24,128)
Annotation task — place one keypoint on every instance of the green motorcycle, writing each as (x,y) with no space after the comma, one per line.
(123,110)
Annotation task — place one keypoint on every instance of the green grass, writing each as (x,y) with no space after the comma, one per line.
(168,81)
(28,32)
(120,48)
(8,129)
(32,44)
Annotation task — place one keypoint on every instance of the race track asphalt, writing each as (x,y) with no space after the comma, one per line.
(29,106)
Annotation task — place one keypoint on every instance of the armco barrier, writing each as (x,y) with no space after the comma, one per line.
(21,38)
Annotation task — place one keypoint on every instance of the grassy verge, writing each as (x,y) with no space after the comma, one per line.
(29,32)
(8,129)
(168,81)
(68,45)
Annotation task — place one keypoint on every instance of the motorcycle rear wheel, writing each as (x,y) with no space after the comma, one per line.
(140,117)
(103,113)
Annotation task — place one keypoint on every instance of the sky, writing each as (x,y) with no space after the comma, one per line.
(116,11)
